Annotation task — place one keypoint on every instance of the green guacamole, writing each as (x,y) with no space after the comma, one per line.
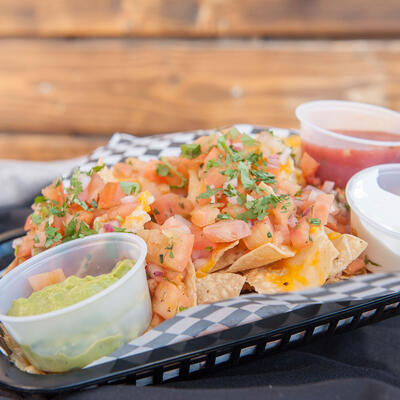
(69,292)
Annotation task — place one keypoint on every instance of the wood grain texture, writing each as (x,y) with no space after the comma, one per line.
(40,147)
(144,87)
(199,18)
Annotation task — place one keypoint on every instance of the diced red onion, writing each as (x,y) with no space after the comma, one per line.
(84,179)
(109,226)
(233,200)
(328,186)
(274,161)
(307,211)
(285,155)
(128,199)
(238,146)
(292,221)
(154,270)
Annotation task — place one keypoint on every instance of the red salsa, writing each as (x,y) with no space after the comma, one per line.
(339,164)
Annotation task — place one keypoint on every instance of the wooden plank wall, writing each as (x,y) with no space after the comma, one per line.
(72,72)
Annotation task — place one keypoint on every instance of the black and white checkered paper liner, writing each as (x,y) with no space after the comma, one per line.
(209,318)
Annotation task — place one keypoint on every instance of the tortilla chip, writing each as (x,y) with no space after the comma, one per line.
(310,267)
(16,355)
(190,283)
(216,254)
(263,255)
(349,247)
(229,256)
(217,286)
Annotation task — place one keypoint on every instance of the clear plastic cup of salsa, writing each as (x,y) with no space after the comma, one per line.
(346,137)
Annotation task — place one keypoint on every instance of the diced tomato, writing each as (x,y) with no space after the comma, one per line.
(214,178)
(212,155)
(170,204)
(321,207)
(261,232)
(177,222)
(282,235)
(86,216)
(233,210)
(123,171)
(152,225)
(94,188)
(283,211)
(166,299)
(151,174)
(227,231)
(355,266)
(308,165)
(40,281)
(111,195)
(29,224)
(52,192)
(204,215)
(168,248)
(56,276)
(200,240)
(123,210)
(40,239)
(299,235)
(25,248)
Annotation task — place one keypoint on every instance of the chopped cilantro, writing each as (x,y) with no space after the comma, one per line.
(224,216)
(269,234)
(367,261)
(314,221)
(95,169)
(162,170)
(176,172)
(181,205)
(247,182)
(36,239)
(39,199)
(182,308)
(230,191)
(259,208)
(241,199)
(117,229)
(249,141)
(130,188)
(52,236)
(161,258)
(36,219)
(155,211)
(208,193)
(230,173)
(190,150)
(57,182)
(208,248)
(81,203)
(94,204)
(75,184)
(213,163)
(263,176)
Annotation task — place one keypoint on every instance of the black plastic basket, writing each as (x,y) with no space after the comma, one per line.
(205,354)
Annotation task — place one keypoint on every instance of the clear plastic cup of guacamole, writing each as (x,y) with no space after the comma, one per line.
(102,304)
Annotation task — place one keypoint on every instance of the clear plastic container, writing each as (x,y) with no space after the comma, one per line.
(79,334)
(374,197)
(346,137)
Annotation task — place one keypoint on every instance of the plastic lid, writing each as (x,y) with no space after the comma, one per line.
(374,194)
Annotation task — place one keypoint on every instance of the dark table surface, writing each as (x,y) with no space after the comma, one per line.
(363,364)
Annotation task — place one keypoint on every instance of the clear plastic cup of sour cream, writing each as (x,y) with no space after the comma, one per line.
(346,137)
(74,336)
(374,197)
